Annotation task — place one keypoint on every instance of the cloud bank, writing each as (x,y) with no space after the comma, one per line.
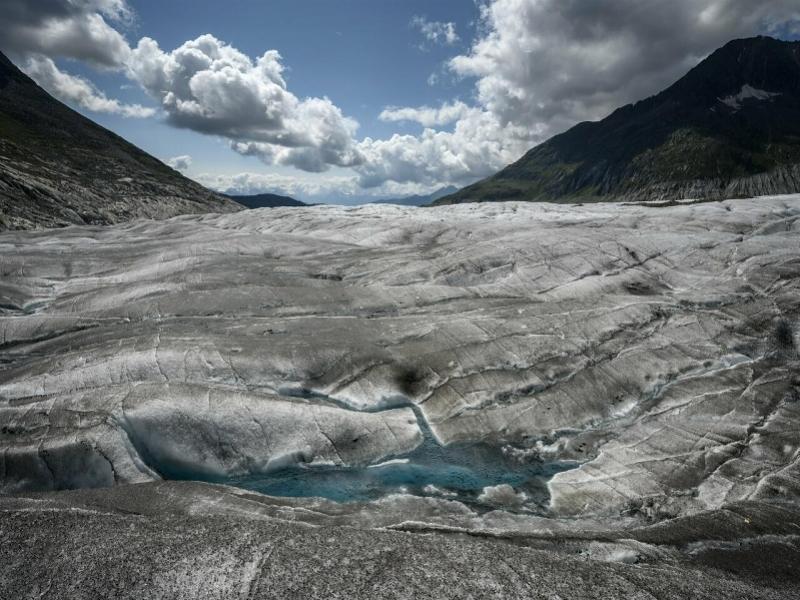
(77,90)
(477,146)
(425,115)
(79,29)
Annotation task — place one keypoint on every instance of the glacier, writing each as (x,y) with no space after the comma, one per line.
(623,379)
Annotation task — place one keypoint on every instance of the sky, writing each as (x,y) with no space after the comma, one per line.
(351,100)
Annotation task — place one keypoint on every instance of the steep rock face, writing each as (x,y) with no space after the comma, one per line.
(655,349)
(729,129)
(58,168)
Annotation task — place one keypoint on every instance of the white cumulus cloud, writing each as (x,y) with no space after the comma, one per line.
(78,29)
(477,146)
(180,163)
(209,86)
(77,90)
(436,32)
(34,32)
(425,115)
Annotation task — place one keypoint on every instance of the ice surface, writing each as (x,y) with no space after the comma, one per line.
(653,347)
(185,541)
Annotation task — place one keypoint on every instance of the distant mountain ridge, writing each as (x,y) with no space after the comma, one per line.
(729,128)
(59,168)
(420,200)
(265,200)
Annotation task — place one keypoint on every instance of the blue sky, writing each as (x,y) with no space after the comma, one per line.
(364,55)
(348,100)
(363,65)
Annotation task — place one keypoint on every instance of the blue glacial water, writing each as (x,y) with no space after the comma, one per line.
(460,471)
(457,471)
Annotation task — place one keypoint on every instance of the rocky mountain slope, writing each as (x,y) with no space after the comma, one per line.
(729,129)
(58,168)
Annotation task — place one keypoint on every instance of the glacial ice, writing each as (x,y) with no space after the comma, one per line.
(653,348)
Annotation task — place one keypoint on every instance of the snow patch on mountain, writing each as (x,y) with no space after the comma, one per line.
(747,92)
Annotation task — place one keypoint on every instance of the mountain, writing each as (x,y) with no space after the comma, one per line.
(420,200)
(59,168)
(265,200)
(729,128)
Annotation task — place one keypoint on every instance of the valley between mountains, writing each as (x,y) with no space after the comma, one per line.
(577,378)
